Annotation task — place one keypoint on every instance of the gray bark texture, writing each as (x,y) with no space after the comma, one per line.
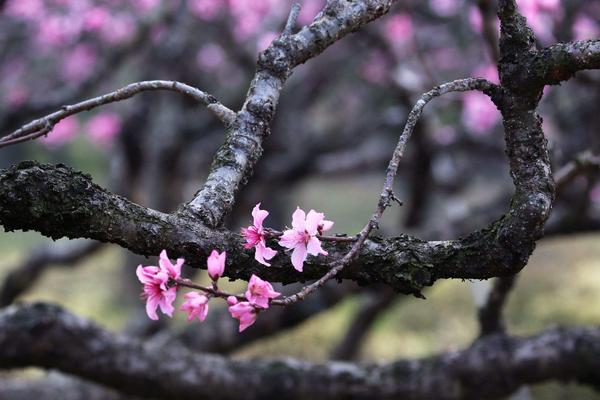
(48,336)
(59,202)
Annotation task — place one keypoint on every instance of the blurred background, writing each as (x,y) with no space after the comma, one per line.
(337,122)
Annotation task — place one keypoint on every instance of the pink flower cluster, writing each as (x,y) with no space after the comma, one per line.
(162,282)
(158,288)
(302,238)
(160,285)
(258,296)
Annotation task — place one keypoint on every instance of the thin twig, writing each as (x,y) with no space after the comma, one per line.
(207,289)
(387,194)
(582,162)
(291,21)
(44,125)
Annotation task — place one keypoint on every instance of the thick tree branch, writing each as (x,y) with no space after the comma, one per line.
(49,337)
(58,202)
(44,125)
(235,160)
(561,61)
(55,386)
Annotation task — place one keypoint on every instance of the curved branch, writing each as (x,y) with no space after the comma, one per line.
(373,304)
(219,333)
(49,337)
(44,125)
(25,275)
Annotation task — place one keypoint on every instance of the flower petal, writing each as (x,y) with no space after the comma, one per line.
(314,247)
(313,220)
(327,225)
(151,305)
(299,256)
(259,215)
(289,239)
(298,219)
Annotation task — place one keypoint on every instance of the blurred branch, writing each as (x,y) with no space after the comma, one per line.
(105,67)
(490,314)
(490,33)
(219,333)
(387,197)
(24,276)
(56,386)
(493,367)
(44,125)
(584,162)
(373,304)
(235,160)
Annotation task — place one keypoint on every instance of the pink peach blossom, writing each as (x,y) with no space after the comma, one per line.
(210,57)
(585,27)
(120,29)
(156,285)
(216,264)
(302,238)
(243,311)
(95,18)
(62,133)
(260,292)
(265,39)
(445,8)
(16,95)
(205,9)
(375,68)
(479,113)
(26,9)
(196,304)
(103,128)
(255,236)
(310,8)
(78,63)
(398,30)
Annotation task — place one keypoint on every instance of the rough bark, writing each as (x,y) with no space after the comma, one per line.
(47,336)
(57,201)
(234,161)
(55,386)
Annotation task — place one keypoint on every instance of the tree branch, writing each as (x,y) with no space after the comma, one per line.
(44,125)
(49,337)
(219,333)
(235,160)
(21,278)
(561,61)
(490,314)
(55,386)
(372,305)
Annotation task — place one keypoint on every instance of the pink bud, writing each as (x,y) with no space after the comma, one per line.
(216,264)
